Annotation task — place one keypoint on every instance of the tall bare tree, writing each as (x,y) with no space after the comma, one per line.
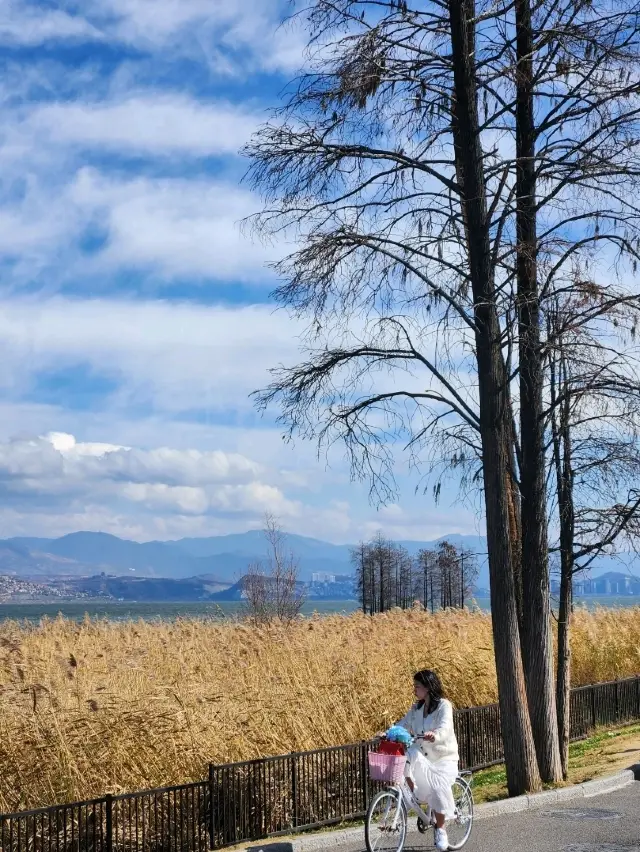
(594,415)
(384,575)
(467,570)
(427,580)
(535,619)
(445,169)
(378,169)
(387,576)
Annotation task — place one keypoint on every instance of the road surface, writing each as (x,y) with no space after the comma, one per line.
(606,823)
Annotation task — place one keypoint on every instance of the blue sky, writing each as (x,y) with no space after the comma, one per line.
(135,315)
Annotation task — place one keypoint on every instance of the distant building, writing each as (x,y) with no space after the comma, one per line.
(323,577)
(611,583)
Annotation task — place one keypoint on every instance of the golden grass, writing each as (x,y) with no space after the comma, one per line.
(99,706)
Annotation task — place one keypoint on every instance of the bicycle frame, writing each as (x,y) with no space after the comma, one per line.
(405,794)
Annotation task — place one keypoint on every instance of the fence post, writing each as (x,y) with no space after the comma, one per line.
(469,749)
(364,773)
(637,696)
(210,821)
(108,803)
(294,786)
(617,701)
(593,707)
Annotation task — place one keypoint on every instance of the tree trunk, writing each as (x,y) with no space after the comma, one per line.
(519,750)
(563,684)
(537,648)
(515,525)
(561,434)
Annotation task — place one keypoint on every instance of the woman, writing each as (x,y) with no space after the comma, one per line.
(432,764)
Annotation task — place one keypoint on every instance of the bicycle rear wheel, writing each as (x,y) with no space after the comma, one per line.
(385,828)
(459,829)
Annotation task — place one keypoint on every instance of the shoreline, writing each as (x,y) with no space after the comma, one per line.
(76,609)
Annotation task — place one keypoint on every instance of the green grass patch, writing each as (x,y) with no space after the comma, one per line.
(491,784)
(583,747)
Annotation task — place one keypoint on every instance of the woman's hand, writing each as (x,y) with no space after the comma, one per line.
(430,737)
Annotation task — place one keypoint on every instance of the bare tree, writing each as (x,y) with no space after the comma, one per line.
(271,587)
(377,168)
(594,414)
(468,571)
(456,570)
(535,617)
(576,141)
(365,578)
(447,567)
(427,579)
(384,575)
(445,170)
(387,576)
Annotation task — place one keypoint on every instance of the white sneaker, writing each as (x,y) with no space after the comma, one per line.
(442,841)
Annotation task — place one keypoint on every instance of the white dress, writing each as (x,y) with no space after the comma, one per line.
(433,767)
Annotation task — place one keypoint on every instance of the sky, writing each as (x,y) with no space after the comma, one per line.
(135,315)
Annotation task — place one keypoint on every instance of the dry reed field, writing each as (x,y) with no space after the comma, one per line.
(108,707)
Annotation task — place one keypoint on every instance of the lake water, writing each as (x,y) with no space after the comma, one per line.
(132,611)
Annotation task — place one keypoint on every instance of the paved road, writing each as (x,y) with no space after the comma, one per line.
(605,823)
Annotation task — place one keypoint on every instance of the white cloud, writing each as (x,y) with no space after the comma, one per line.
(176,228)
(159,466)
(165,479)
(232,37)
(172,356)
(229,37)
(163,229)
(56,484)
(27,25)
(151,459)
(55,455)
(159,496)
(424,522)
(32,226)
(147,122)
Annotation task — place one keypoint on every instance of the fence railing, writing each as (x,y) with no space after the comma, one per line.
(274,795)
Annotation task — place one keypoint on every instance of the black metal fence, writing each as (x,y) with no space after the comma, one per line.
(274,795)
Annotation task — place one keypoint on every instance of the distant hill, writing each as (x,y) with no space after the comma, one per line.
(222,560)
(142,588)
(18,561)
(81,553)
(226,558)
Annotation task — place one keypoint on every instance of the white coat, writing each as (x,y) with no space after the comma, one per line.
(440,723)
(433,767)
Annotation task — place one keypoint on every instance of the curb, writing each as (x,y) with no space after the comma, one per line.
(550,797)
(331,839)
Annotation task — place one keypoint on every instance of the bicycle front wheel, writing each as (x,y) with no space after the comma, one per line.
(385,828)
(459,829)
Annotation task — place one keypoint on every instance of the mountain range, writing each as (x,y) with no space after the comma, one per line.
(222,559)
(217,560)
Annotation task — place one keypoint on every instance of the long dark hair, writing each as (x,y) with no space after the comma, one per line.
(430,680)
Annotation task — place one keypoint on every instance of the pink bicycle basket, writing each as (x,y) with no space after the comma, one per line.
(387,767)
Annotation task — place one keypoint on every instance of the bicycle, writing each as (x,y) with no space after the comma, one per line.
(387,817)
